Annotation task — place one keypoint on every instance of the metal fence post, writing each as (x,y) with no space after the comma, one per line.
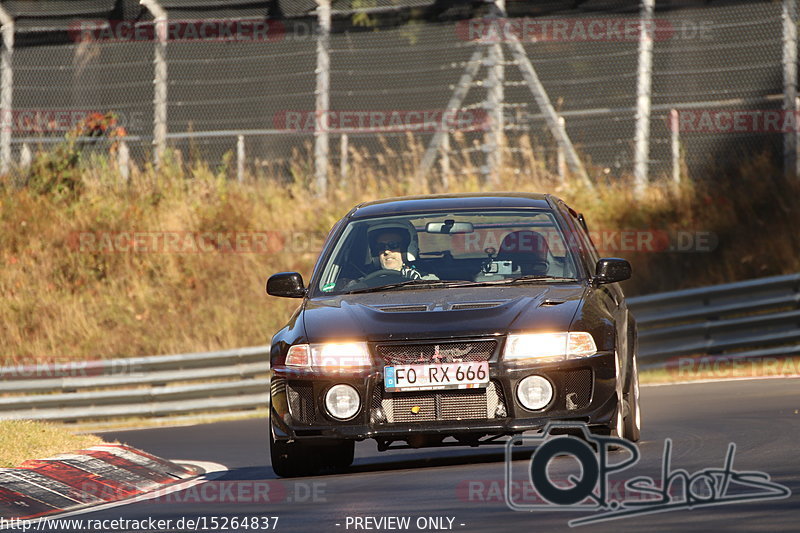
(6,90)
(444,160)
(25,157)
(543,101)
(160,81)
(240,158)
(322,124)
(453,105)
(495,98)
(790,137)
(124,161)
(561,158)
(676,146)
(643,90)
(344,151)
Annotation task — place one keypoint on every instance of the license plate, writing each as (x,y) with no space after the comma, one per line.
(432,377)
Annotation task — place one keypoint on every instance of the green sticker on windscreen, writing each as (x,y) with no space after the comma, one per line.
(328,287)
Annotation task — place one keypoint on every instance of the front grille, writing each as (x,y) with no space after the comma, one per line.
(427,406)
(446,352)
(301,401)
(578,388)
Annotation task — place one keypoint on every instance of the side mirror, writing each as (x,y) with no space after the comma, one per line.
(611,270)
(286,285)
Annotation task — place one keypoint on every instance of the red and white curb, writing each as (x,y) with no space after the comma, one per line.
(97,475)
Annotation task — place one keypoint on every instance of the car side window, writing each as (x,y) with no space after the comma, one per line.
(577,238)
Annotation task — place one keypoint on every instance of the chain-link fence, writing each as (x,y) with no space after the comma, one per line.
(242,79)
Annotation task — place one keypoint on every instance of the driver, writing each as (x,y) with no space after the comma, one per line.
(390,246)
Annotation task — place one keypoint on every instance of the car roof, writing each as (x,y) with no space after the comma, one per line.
(450,202)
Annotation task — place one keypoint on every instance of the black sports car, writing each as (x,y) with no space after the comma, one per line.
(450,319)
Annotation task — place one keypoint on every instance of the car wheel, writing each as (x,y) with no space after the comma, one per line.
(633,416)
(616,426)
(290,459)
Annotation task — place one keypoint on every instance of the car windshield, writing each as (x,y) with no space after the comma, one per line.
(433,250)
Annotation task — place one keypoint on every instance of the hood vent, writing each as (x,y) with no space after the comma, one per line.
(475,305)
(551,301)
(403,308)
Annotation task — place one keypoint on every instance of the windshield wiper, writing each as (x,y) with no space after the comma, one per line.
(524,279)
(416,283)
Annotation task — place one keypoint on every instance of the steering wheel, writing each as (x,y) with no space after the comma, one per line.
(382,277)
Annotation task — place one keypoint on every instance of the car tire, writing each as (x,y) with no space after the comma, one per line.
(632,420)
(290,459)
(623,423)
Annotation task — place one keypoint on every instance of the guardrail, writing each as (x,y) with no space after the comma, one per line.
(162,385)
(752,319)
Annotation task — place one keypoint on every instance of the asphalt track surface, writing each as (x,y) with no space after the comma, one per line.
(760,416)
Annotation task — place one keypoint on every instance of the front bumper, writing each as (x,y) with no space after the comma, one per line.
(584,390)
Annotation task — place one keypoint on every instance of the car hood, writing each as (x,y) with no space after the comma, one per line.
(442,313)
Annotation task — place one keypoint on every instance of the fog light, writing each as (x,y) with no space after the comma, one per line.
(342,402)
(534,392)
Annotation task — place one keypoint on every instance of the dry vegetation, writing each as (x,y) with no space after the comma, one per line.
(21,440)
(59,302)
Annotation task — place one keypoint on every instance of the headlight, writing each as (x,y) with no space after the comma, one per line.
(534,393)
(329,355)
(549,346)
(342,402)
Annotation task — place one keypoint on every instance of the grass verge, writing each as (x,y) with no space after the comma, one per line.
(21,440)
(75,285)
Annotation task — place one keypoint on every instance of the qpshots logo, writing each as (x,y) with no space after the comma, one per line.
(590,489)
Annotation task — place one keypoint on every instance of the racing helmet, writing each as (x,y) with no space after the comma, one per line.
(527,250)
(410,241)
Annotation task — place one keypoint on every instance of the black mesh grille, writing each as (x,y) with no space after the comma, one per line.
(301,401)
(578,388)
(451,352)
(404,405)
(425,406)
(466,404)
